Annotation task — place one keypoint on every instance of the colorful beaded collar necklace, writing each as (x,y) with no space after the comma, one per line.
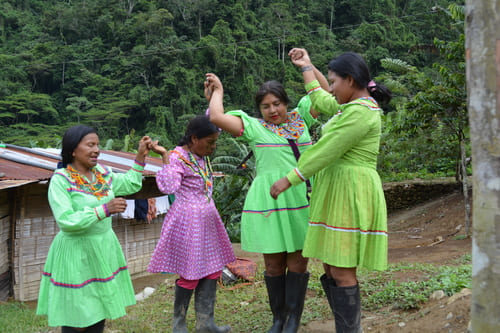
(292,128)
(99,188)
(204,172)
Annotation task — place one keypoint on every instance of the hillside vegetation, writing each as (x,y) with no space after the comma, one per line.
(136,67)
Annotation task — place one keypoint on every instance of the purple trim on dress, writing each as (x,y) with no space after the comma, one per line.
(106,210)
(267,212)
(83,284)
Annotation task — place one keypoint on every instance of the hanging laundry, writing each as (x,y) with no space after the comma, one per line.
(141,209)
(151,209)
(129,211)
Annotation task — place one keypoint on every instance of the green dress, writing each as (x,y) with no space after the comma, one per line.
(348,219)
(268,225)
(85,278)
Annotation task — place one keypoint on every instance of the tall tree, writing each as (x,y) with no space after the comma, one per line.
(483,72)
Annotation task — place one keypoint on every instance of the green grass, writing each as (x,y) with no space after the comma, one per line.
(246,308)
(381,289)
(17,317)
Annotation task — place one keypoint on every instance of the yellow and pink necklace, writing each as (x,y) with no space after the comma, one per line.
(99,188)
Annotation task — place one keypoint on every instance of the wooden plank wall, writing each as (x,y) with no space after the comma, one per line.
(34,230)
(138,241)
(5,274)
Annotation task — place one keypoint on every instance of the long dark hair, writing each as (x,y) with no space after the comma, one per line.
(199,126)
(70,141)
(271,87)
(353,65)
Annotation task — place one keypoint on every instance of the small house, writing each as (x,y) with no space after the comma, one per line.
(27,226)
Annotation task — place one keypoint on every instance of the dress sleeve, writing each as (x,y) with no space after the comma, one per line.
(68,219)
(345,133)
(322,101)
(304,109)
(169,178)
(129,182)
(249,125)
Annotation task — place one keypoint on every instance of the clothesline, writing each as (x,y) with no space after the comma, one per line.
(146,209)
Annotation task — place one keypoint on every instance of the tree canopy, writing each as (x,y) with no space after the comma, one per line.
(139,65)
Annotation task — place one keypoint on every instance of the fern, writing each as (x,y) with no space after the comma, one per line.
(457,12)
(397,66)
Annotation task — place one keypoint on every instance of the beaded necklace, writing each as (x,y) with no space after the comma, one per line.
(292,128)
(204,172)
(99,188)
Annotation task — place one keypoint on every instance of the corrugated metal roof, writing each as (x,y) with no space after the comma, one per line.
(5,184)
(35,164)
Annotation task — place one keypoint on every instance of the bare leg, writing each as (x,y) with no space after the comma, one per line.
(275,263)
(344,277)
(296,262)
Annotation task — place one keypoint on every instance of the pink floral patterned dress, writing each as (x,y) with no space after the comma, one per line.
(193,242)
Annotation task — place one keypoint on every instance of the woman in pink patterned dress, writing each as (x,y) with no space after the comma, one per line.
(193,242)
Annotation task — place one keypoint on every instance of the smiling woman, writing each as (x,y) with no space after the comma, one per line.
(275,228)
(273,102)
(85,279)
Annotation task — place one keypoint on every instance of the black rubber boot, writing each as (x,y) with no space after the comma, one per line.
(276,286)
(181,304)
(346,309)
(67,329)
(96,328)
(296,287)
(204,305)
(325,283)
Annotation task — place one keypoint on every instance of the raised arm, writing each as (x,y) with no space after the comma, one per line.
(300,58)
(214,92)
(321,78)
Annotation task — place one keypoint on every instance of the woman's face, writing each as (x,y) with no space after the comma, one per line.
(205,146)
(86,153)
(273,110)
(341,88)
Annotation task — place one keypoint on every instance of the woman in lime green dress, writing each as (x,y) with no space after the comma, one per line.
(85,279)
(275,228)
(348,217)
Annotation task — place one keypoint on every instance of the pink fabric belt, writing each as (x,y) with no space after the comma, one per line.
(191,284)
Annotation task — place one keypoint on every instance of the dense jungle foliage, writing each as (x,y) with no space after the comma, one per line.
(135,67)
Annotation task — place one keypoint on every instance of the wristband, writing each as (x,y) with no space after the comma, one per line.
(306,68)
(140,163)
(106,211)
